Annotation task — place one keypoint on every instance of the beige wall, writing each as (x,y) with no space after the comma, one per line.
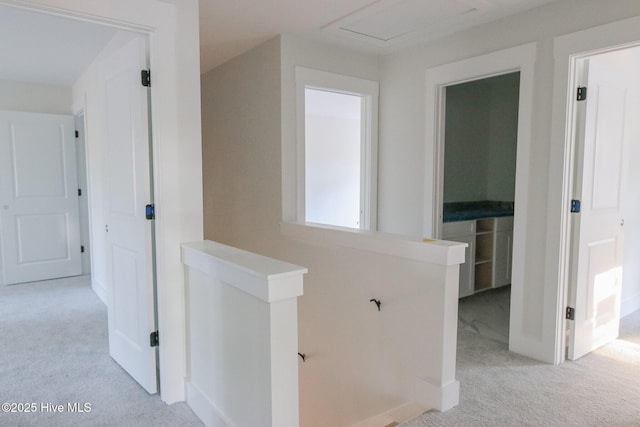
(249,138)
(34,98)
(241,149)
(360,362)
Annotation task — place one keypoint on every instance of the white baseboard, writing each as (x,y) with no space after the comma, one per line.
(99,290)
(204,408)
(440,397)
(630,305)
(399,415)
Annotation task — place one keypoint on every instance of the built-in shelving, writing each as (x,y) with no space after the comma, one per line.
(488,257)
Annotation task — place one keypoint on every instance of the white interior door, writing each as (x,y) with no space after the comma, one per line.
(598,231)
(129,233)
(40,231)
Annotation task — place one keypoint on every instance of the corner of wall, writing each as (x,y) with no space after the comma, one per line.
(439,397)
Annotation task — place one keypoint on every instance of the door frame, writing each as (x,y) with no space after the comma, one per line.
(83,185)
(569,51)
(517,59)
(173,48)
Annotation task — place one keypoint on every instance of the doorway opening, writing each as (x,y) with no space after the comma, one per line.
(103,88)
(518,61)
(480,144)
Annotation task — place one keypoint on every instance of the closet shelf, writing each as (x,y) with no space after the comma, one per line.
(488,256)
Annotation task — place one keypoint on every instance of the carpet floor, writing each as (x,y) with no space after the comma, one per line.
(500,388)
(54,351)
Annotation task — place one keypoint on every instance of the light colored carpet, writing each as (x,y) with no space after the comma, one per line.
(54,349)
(499,388)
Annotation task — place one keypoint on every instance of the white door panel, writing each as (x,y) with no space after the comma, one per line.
(129,233)
(598,232)
(38,196)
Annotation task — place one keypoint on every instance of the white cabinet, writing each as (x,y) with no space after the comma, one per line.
(464,231)
(488,257)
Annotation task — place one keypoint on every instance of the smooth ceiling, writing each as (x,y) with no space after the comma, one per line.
(47,49)
(43,48)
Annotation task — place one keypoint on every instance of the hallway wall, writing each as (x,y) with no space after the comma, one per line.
(360,362)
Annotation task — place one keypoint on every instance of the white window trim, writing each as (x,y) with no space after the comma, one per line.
(369,91)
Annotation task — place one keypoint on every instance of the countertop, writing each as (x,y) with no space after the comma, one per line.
(465,211)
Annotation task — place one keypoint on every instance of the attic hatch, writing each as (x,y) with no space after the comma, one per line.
(386,22)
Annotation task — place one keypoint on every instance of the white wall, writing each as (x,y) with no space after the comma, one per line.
(243,337)
(402,136)
(174,55)
(403,161)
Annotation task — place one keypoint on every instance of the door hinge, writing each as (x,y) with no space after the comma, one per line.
(150,212)
(575,206)
(146,78)
(154,340)
(77,134)
(79,191)
(81,249)
(570,313)
(582,93)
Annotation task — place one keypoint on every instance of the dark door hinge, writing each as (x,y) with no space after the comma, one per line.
(150,212)
(77,134)
(575,206)
(154,340)
(570,313)
(146,78)
(79,191)
(582,93)
(81,249)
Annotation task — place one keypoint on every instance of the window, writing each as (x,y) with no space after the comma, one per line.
(337,161)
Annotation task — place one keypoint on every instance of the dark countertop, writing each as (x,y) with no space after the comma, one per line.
(464,211)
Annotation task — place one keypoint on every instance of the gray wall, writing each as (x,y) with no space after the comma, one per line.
(480,140)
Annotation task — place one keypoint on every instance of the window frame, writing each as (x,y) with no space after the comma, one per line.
(368,90)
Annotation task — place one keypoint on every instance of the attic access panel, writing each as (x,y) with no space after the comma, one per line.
(386,21)
(405,17)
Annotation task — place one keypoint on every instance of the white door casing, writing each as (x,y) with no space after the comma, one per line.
(38,197)
(597,245)
(129,234)
(522,58)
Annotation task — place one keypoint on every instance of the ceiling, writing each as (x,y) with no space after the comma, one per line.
(228,28)
(47,49)
(54,50)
